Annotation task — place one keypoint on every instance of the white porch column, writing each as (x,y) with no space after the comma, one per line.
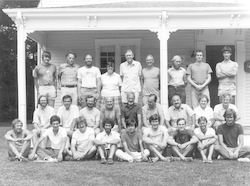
(21,70)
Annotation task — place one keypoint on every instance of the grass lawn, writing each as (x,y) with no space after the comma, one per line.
(93,173)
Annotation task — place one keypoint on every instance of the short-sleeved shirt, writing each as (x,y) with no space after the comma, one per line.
(132,140)
(131,112)
(183,112)
(68,73)
(110,85)
(67,116)
(82,140)
(42,116)
(219,109)
(55,140)
(210,131)
(147,112)
(176,76)
(207,112)
(89,76)
(182,137)
(158,135)
(151,79)
(199,72)
(104,137)
(131,76)
(230,134)
(227,67)
(45,74)
(111,113)
(92,116)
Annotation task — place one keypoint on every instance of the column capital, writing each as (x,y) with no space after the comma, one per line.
(20,20)
(159,32)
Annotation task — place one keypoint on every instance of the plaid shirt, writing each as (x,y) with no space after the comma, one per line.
(68,74)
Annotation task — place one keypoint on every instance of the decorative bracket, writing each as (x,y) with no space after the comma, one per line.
(95,21)
(88,21)
(164,18)
(20,20)
(238,19)
(231,19)
(239,32)
(219,32)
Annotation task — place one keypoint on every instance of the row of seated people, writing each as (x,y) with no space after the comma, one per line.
(132,145)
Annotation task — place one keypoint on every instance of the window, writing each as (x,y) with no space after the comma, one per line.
(107,53)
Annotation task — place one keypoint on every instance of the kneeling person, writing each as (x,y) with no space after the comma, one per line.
(207,138)
(182,141)
(18,140)
(107,142)
(82,147)
(58,137)
(132,143)
(156,138)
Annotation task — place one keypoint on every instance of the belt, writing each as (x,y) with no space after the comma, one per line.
(69,86)
(176,86)
(89,87)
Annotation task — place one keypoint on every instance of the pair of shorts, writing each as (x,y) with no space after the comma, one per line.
(49,91)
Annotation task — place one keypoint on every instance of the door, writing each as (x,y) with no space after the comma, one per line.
(213,56)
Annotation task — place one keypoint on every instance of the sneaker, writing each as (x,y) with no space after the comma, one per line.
(244,159)
(175,158)
(12,158)
(68,158)
(189,159)
(50,160)
(110,161)
(103,161)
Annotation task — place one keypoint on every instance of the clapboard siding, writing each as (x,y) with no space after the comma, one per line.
(247,80)
(82,42)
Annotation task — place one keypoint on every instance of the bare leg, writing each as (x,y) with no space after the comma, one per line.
(210,152)
(157,153)
(112,151)
(188,151)
(12,150)
(25,149)
(101,151)
(90,153)
(176,152)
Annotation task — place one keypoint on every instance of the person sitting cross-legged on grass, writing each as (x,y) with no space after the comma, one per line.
(229,134)
(207,138)
(82,147)
(18,141)
(132,143)
(156,137)
(58,137)
(107,141)
(182,141)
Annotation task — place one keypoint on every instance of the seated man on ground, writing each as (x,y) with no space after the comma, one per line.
(220,109)
(132,143)
(18,141)
(131,111)
(82,147)
(41,119)
(179,110)
(91,114)
(107,142)
(58,137)
(182,141)
(207,138)
(156,137)
(152,107)
(112,112)
(231,141)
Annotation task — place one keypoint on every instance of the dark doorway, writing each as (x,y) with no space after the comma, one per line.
(213,56)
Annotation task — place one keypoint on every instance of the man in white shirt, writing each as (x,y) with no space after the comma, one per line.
(91,114)
(89,81)
(41,119)
(82,147)
(107,142)
(57,136)
(130,72)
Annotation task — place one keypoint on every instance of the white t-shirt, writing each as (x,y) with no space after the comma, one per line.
(208,113)
(157,135)
(220,110)
(55,140)
(67,116)
(42,116)
(88,76)
(82,140)
(104,137)
(110,85)
(210,131)
(91,116)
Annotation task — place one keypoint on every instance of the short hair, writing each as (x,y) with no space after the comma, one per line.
(16,121)
(203,96)
(46,54)
(150,55)
(176,57)
(90,97)
(110,64)
(198,50)
(108,121)
(54,118)
(224,95)
(154,117)
(180,119)
(230,112)
(89,55)
(106,98)
(67,97)
(71,52)
(80,120)
(129,51)
(131,122)
(202,118)
(153,96)
(226,48)
(130,93)
(178,96)
(39,99)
